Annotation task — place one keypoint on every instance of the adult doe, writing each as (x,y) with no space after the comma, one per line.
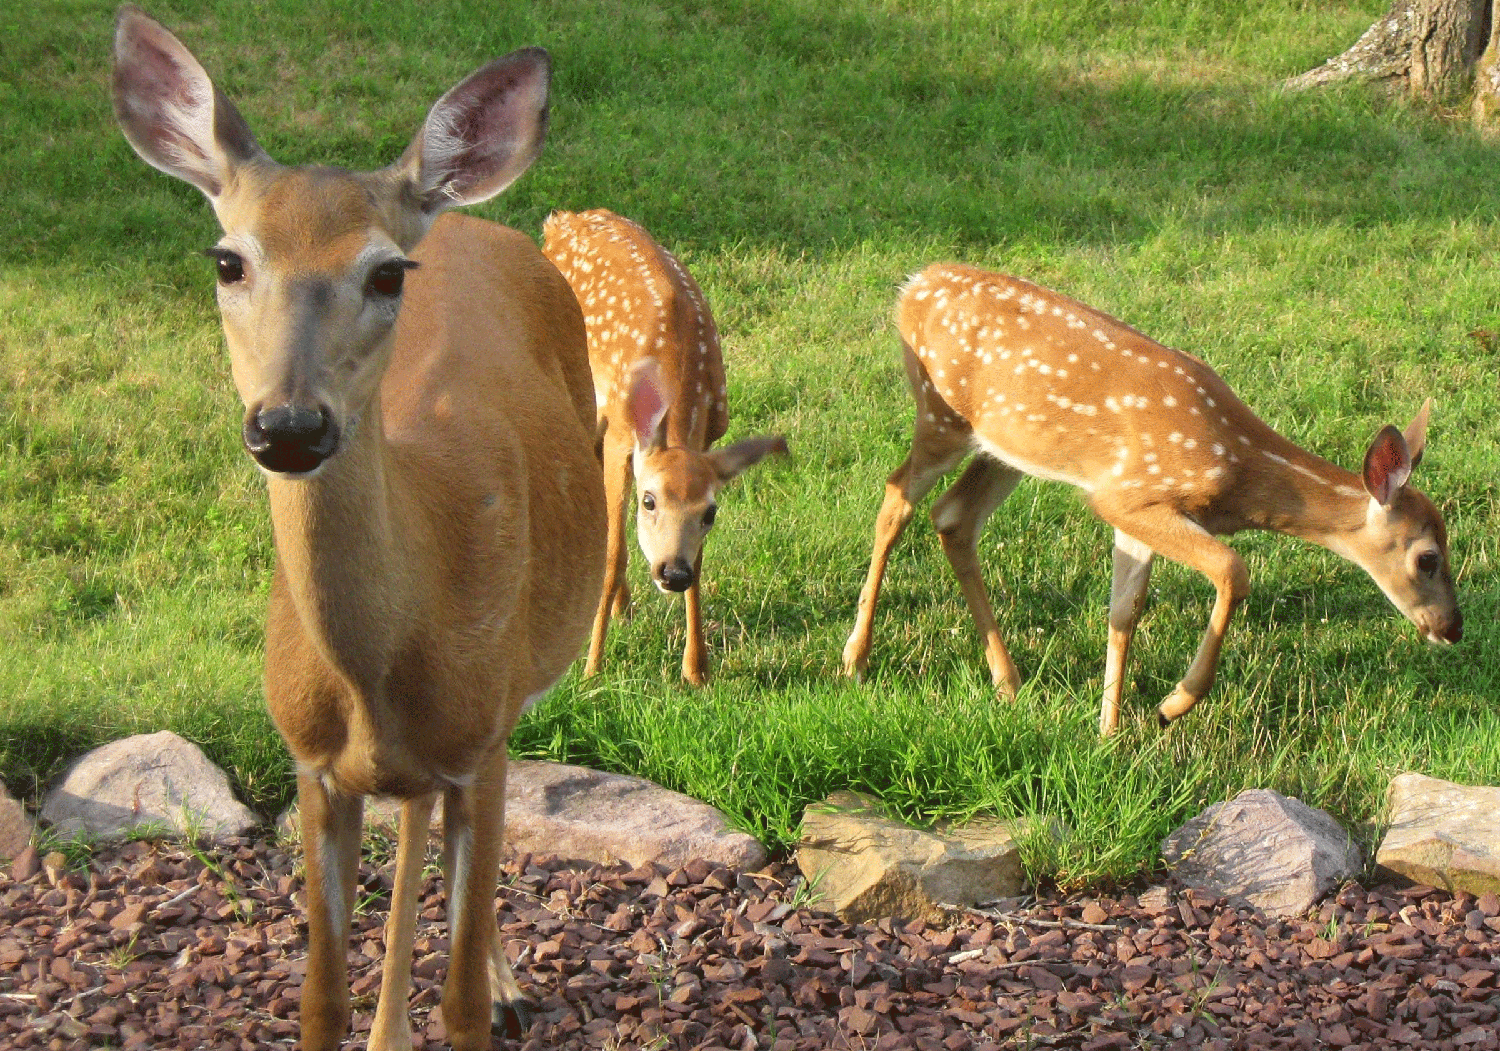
(417,393)
(1038,384)
(659,386)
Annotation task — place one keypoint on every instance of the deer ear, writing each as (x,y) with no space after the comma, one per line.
(170,110)
(1388,464)
(646,403)
(1416,433)
(733,460)
(483,134)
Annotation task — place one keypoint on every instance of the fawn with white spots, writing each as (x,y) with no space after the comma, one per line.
(417,393)
(1036,383)
(659,389)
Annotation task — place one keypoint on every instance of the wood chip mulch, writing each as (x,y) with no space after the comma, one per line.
(151,946)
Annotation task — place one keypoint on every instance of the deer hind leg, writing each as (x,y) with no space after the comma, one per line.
(1182,540)
(331,825)
(695,653)
(615,599)
(959,516)
(933,454)
(391,1030)
(1127,598)
(476,1000)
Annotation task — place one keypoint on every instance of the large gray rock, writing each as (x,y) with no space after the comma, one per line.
(148,781)
(553,808)
(864,865)
(1275,852)
(1442,834)
(586,815)
(15,826)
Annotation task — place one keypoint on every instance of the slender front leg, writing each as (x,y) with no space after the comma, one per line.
(695,652)
(480,991)
(331,825)
(392,1028)
(932,456)
(959,515)
(1127,598)
(616,595)
(1179,538)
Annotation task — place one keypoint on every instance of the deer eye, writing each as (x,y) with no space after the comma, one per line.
(1428,562)
(387,278)
(648,502)
(710,515)
(229,266)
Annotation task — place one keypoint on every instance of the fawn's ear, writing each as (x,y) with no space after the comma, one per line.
(1388,464)
(170,110)
(482,135)
(1416,433)
(646,403)
(733,460)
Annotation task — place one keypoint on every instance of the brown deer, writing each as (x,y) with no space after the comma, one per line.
(659,387)
(417,393)
(1037,383)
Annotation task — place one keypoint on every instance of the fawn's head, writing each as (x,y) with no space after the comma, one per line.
(1404,543)
(313,260)
(676,488)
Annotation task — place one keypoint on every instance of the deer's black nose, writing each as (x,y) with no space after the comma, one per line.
(290,439)
(676,575)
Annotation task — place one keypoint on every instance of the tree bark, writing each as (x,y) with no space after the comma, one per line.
(1487,78)
(1427,48)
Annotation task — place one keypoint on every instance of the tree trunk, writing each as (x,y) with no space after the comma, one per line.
(1427,48)
(1487,78)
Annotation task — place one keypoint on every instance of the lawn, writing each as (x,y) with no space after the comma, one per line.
(1331,254)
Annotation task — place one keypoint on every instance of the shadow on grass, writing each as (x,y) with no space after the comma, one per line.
(801,127)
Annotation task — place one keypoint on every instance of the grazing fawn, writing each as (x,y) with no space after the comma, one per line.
(417,394)
(659,387)
(1036,383)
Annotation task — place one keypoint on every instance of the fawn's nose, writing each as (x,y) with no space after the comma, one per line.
(290,439)
(676,575)
(1454,632)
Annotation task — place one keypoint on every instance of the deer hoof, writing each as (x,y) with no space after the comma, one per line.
(511,1019)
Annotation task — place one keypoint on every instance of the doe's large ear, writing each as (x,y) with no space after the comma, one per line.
(733,460)
(1416,432)
(170,110)
(483,134)
(1388,464)
(646,403)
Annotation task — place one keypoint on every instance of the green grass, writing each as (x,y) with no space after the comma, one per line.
(1328,253)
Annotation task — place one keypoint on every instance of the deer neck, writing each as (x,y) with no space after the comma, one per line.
(1286,489)
(344,539)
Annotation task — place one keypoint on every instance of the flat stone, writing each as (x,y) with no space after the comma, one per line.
(587,815)
(150,781)
(864,865)
(1272,851)
(1442,834)
(577,813)
(15,827)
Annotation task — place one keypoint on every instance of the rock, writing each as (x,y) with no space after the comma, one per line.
(1442,834)
(15,827)
(148,781)
(586,815)
(553,808)
(1277,853)
(864,865)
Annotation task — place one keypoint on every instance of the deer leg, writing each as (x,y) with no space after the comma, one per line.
(616,594)
(331,824)
(930,458)
(1127,598)
(1182,540)
(695,654)
(478,995)
(959,516)
(391,1030)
